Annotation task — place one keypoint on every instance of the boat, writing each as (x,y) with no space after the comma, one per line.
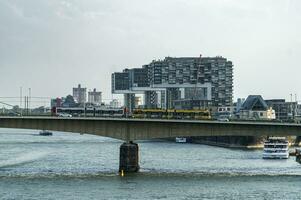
(275,148)
(45,133)
(181,140)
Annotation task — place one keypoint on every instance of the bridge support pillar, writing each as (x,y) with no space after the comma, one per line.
(298,140)
(298,155)
(129,157)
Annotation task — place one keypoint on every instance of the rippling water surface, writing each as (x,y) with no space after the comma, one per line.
(74,166)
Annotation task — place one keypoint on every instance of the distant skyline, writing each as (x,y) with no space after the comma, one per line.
(52,46)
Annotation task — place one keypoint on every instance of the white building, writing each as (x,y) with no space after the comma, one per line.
(115,103)
(94,97)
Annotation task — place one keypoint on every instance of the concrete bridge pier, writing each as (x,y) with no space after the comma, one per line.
(129,157)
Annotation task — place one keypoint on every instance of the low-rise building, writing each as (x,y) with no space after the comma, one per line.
(69,102)
(298,115)
(115,103)
(285,111)
(255,108)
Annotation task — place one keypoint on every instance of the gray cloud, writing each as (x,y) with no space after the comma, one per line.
(51,46)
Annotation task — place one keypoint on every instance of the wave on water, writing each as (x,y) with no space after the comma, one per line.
(59,175)
(22,159)
(217,173)
(143,173)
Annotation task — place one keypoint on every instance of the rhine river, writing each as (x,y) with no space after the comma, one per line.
(74,166)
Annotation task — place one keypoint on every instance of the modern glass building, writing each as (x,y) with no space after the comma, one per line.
(163,82)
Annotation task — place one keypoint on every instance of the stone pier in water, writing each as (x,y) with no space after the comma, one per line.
(129,157)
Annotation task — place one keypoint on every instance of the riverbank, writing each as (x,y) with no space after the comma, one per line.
(239,142)
(227,145)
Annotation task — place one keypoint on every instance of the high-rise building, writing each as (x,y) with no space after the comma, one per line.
(94,97)
(80,94)
(191,78)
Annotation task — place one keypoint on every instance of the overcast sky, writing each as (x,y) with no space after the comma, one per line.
(51,46)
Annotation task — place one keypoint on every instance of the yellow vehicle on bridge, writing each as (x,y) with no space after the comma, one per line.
(191,114)
(200,114)
(150,113)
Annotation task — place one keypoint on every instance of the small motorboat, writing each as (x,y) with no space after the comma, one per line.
(45,133)
(181,140)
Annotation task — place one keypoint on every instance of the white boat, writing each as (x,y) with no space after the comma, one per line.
(275,148)
(180,140)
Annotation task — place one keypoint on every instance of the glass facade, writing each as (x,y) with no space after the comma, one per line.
(197,75)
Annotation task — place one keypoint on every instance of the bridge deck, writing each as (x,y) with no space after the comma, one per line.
(136,129)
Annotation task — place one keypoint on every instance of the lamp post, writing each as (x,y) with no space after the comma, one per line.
(29,100)
(21,109)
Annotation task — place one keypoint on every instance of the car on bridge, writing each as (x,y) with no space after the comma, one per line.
(64,115)
(223,119)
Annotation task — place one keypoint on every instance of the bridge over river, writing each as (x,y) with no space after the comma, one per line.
(131,130)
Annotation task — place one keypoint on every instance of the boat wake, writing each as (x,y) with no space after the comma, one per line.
(220,173)
(22,159)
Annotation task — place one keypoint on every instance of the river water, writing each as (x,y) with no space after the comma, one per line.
(74,166)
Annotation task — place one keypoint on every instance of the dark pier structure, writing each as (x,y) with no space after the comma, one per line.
(129,157)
